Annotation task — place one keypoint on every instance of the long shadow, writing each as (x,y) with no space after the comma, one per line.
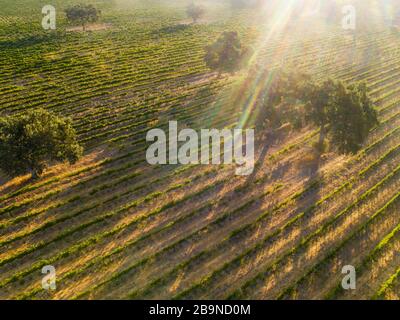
(28,41)
(171,29)
(313,178)
(14,187)
(309,172)
(209,116)
(263,143)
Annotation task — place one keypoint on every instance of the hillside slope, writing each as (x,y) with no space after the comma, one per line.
(115,227)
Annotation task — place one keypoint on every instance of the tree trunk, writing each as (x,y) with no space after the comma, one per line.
(322,135)
(36,173)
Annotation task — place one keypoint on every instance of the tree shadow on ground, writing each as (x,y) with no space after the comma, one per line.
(305,169)
(310,171)
(5,179)
(171,29)
(28,41)
(264,142)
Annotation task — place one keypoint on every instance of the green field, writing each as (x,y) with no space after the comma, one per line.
(115,227)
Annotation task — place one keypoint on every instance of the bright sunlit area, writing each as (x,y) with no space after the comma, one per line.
(199,150)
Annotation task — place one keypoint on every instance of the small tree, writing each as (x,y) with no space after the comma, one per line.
(352,117)
(347,113)
(29,142)
(195,12)
(226,54)
(282,99)
(82,14)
